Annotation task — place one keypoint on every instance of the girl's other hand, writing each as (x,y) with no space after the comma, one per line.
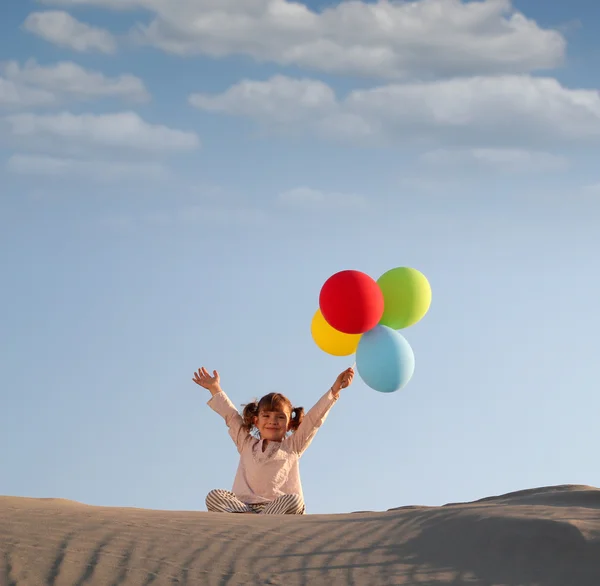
(206,381)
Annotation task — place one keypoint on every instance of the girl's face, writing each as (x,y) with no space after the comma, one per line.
(273,425)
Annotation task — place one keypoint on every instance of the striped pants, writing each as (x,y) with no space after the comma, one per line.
(224,501)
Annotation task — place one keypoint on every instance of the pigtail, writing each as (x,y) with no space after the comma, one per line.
(248,415)
(297,417)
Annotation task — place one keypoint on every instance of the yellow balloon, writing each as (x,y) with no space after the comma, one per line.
(330,340)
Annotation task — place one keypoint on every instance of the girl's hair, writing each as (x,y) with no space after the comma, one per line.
(271,402)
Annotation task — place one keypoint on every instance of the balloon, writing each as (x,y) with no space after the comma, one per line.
(330,340)
(351,302)
(407,295)
(384,359)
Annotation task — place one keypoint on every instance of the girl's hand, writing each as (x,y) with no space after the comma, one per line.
(343,380)
(211,383)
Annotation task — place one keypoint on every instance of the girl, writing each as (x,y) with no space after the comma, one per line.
(268,476)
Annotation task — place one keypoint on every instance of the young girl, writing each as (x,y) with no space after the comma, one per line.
(268,476)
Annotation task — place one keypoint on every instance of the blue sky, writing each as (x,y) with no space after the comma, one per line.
(177,181)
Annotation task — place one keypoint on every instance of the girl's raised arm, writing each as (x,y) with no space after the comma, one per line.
(312,421)
(301,438)
(220,403)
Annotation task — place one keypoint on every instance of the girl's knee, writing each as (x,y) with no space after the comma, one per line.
(216,492)
(294,500)
(216,498)
(213,494)
(295,504)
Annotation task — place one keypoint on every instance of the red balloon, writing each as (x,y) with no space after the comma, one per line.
(351,302)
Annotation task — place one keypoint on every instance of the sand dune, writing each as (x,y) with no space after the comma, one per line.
(541,537)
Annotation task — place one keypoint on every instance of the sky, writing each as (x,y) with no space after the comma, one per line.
(178,178)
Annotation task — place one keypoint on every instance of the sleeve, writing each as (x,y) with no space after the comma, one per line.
(313,419)
(221,404)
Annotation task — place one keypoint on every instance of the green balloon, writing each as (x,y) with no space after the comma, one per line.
(407,297)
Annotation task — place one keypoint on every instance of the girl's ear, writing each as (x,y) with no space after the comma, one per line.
(255,419)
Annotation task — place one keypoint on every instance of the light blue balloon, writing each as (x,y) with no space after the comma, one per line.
(384,359)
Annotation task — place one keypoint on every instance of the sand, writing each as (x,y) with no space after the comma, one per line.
(547,536)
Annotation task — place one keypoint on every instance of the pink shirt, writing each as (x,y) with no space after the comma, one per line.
(263,476)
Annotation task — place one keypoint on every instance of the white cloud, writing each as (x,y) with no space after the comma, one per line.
(484,111)
(37,85)
(281,100)
(61,29)
(385,39)
(16,95)
(102,171)
(592,189)
(125,130)
(501,160)
(306,198)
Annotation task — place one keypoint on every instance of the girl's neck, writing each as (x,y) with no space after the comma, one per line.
(266,442)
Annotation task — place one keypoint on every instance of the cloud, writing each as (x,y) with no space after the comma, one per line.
(501,160)
(497,111)
(61,29)
(37,85)
(98,170)
(306,198)
(592,189)
(383,39)
(16,95)
(281,100)
(123,130)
